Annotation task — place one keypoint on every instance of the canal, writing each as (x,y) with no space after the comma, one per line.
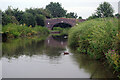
(38,58)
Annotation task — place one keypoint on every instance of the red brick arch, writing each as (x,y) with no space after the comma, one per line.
(49,23)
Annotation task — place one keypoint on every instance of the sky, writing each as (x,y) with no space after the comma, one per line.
(84,8)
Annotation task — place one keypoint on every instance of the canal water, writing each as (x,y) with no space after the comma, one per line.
(38,58)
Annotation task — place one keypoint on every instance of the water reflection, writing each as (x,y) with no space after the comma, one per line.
(30,47)
(95,68)
(44,58)
(56,41)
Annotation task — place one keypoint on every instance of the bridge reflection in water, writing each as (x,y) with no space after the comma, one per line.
(56,41)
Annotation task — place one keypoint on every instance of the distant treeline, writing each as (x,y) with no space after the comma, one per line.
(32,16)
(35,16)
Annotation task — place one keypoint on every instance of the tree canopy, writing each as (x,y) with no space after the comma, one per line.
(71,15)
(31,16)
(105,10)
(56,9)
(28,19)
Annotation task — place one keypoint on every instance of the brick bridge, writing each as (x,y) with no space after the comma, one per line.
(49,23)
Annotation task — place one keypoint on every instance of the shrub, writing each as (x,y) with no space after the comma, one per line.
(113,59)
(13,30)
(63,31)
(94,37)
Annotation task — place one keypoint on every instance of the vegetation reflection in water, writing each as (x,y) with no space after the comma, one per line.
(95,68)
(29,47)
(53,49)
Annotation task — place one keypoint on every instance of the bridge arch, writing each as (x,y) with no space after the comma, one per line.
(49,23)
(62,25)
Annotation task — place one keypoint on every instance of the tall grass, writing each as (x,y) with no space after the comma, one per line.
(13,30)
(96,37)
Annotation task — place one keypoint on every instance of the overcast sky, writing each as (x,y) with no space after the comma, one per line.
(83,8)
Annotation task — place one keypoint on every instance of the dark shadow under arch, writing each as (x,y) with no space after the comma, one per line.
(62,25)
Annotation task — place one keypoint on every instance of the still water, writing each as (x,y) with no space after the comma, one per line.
(38,58)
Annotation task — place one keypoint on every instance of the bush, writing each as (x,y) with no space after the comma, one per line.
(113,59)
(13,30)
(94,37)
(57,28)
(97,38)
(62,30)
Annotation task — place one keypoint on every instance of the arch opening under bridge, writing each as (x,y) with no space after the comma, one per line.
(50,23)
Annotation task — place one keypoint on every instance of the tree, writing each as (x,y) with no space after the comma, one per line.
(18,14)
(9,11)
(56,10)
(6,19)
(28,19)
(104,10)
(11,16)
(40,20)
(40,11)
(14,20)
(71,15)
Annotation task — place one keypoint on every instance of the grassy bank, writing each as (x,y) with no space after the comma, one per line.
(98,38)
(14,31)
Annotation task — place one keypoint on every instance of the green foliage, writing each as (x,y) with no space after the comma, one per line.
(40,20)
(56,9)
(39,11)
(71,15)
(6,19)
(105,10)
(18,14)
(9,11)
(14,31)
(99,38)
(113,59)
(63,31)
(94,37)
(28,19)
(58,28)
